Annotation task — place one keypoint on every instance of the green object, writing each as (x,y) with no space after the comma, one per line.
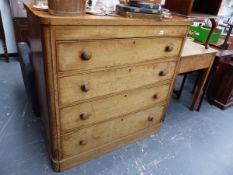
(201,34)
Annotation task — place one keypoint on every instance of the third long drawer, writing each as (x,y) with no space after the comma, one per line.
(88,113)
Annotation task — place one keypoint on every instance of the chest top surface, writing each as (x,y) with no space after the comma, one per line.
(45,18)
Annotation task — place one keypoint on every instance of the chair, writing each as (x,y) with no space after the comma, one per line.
(28,76)
(3,38)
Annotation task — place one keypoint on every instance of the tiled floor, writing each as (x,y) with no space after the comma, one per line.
(189,143)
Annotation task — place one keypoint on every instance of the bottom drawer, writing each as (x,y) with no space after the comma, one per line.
(97,135)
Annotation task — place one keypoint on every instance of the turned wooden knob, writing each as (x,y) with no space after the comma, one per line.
(85,87)
(156,96)
(169,48)
(84,116)
(163,73)
(83,142)
(150,119)
(86,56)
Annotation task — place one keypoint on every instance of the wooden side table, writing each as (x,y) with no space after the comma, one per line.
(196,57)
(3,38)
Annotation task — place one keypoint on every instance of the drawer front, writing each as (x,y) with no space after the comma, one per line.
(85,55)
(97,135)
(193,63)
(108,32)
(85,86)
(103,109)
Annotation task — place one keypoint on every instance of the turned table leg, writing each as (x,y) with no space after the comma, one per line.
(214,25)
(200,89)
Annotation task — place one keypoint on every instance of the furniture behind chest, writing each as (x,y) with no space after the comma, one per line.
(193,7)
(3,39)
(220,90)
(103,82)
(196,57)
(20,19)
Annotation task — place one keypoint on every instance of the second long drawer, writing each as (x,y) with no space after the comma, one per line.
(86,86)
(88,113)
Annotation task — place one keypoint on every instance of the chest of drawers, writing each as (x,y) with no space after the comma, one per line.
(103,82)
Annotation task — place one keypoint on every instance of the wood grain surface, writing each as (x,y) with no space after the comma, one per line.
(115,52)
(112,81)
(109,131)
(112,107)
(45,18)
(110,32)
(103,81)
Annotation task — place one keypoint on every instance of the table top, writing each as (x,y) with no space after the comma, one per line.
(191,49)
(45,18)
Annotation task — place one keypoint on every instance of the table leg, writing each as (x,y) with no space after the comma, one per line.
(5,51)
(201,85)
(214,25)
(225,44)
(179,92)
(196,82)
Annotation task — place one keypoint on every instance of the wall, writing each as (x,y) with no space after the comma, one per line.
(8,27)
(226,8)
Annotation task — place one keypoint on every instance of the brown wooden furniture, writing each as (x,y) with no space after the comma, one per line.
(20,19)
(197,10)
(67,8)
(102,82)
(190,7)
(195,57)
(220,90)
(151,1)
(3,38)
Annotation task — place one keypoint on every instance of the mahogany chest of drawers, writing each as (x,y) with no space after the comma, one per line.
(103,82)
(220,90)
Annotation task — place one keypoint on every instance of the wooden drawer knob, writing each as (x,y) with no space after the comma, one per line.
(169,48)
(84,116)
(86,56)
(150,119)
(156,96)
(83,142)
(163,73)
(85,87)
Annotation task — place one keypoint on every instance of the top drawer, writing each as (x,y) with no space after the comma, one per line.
(91,54)
(110,32)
